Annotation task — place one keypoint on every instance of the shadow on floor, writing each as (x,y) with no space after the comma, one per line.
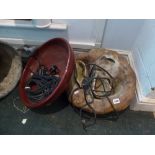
(54,107)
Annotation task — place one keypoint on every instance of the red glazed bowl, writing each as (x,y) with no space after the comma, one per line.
(55,51)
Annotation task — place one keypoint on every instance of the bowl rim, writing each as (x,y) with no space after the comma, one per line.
(23,95)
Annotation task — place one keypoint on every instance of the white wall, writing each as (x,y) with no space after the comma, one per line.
(40,35)
(86,32)
(144,56)
(81,30)
(121,33)
(137,36)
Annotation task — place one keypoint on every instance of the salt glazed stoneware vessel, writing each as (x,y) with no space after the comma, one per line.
(56,51)
(124,81)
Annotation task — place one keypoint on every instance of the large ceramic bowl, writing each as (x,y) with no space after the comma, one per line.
(55,51)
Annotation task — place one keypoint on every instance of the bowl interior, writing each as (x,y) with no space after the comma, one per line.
(55,52)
